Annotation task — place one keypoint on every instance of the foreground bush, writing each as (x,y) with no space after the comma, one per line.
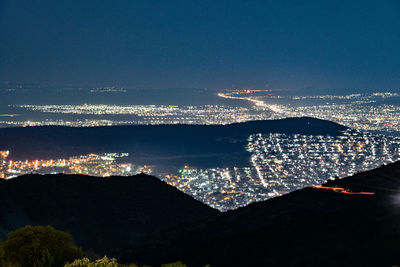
(39,246)
(85,262)
(176,264)
(104,262)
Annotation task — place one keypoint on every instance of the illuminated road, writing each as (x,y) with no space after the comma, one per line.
(255,101)
(341,190)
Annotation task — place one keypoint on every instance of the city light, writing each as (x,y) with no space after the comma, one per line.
(277,163)
(102,165)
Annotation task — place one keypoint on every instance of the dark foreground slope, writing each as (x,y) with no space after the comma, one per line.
(309,227)
(100,213)
(167,145)
(141,219)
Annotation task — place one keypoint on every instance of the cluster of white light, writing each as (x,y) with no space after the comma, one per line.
(282,163)
(142,114)
(288,162)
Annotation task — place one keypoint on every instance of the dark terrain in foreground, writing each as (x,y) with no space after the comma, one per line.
(140,219)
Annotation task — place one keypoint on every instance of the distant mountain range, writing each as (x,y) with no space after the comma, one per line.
(350,222)
(203,146)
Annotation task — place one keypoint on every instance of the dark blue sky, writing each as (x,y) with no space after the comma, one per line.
(212,44)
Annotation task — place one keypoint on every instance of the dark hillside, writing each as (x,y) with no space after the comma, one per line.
(140,219)
(310,227)
(99,213)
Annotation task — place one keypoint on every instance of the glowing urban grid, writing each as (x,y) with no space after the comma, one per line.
(278,163)
(143,115)
(368,112)
(101,165)
(283,163)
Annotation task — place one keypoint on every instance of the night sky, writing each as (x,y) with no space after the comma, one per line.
(202,44)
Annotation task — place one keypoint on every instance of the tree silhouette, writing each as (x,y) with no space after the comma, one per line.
(39,246)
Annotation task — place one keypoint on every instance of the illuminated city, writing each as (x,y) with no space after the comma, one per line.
(367,112)
(288,162)
(278,164)
(143,115)
(103,165)
(199,133)
(283,163)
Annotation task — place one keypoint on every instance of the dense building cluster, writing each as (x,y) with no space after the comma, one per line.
(103,165)
(3,163)
(142,114)
(288,162)
(284,163)
(357,115)
(221,188)
(367,112)
(62,122)
(278,163)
